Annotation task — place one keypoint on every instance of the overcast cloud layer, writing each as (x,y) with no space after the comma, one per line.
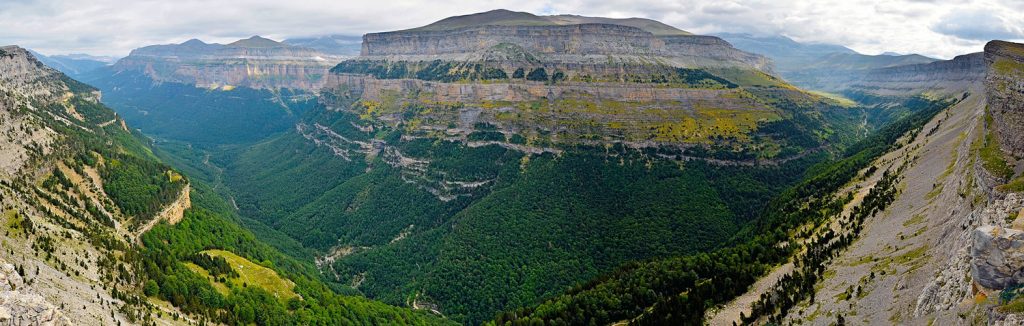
(937,28)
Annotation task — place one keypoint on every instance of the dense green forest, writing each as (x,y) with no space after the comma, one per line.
(451,71)
(570,216)
(166,248)
(679,290)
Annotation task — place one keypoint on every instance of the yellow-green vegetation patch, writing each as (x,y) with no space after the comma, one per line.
(1007,67)
(842,296)
(863,260)
(936,190)
(917,218)
(1015,306)
(992,157)
(173,176)
(920,231)
(749,77)
(14,222)
(220,287)
(252,274)
(814,315)
(838,99)
(830,273)
(1017,185)
(696,121)
(913,259)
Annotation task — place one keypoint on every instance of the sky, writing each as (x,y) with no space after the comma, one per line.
(936,28)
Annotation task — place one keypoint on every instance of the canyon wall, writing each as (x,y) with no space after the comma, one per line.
(1005,88)
(562,43)
(939,78)
(257,63)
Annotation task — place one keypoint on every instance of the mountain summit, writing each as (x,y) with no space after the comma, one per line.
(257,41)
(503,17)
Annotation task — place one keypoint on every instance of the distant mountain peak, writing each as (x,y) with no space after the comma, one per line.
(257,41)
(194,41)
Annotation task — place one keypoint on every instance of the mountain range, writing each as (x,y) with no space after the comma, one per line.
(506,168)
(74,65)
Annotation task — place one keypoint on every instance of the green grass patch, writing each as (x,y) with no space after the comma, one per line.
(917,218)
(220,287)
(1008,67)
(863,260)
(935,192)
(1017,185)
(914,259)
(839,99)
(992,157)
(252,274)
(15,223)
(1015,306)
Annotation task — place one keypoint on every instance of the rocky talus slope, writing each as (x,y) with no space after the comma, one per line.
(65,241)
(255,63)
(948,245)
(910,262)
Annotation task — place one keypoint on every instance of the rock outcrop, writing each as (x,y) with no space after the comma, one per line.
(255,63)
(20,306)
(1005,89)
(997,257)
(998,250)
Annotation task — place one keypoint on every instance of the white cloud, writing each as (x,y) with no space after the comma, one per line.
(939,28)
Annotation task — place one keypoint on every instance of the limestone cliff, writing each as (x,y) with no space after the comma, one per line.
(939,79)
(1005,88)
(558,39)
(557,80)
(255,63)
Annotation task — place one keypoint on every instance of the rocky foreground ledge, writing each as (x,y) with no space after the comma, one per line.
(997,257)
(20,306)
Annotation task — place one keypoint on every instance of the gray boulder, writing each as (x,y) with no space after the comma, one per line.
(997,257)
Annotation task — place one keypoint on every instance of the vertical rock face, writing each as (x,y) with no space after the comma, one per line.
(997,257)
(22,73)
(997,254)
(565,79)
(1005,89)
(563,39)
(255,63)
(569,39)
(943,78)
